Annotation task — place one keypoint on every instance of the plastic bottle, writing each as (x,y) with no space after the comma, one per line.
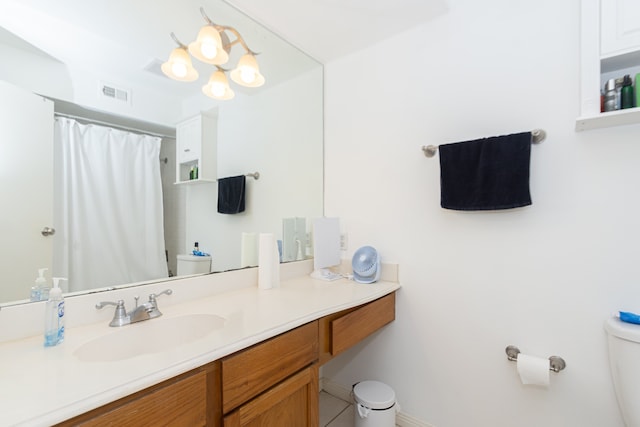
(619,81)
(610,97)
(627,92)
(54,315)
(40,291)
(637,89)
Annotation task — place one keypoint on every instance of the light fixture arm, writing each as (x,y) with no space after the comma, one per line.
(178,42)
(232,30)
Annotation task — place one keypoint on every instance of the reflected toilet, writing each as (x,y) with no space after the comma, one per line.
(624,360)
(192,264)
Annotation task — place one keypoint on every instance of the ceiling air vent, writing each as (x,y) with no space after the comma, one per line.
(110,91)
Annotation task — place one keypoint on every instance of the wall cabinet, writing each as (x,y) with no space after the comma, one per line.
(196,149)
(620,27)
(610,48)
(273,383)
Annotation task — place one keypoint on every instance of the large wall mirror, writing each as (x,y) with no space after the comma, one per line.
(57,59)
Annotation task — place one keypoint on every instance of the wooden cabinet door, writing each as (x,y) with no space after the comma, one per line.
(293,402)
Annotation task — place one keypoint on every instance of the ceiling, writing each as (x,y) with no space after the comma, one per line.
(130,38)
(328,29)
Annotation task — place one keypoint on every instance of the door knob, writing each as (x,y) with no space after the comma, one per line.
(48,231)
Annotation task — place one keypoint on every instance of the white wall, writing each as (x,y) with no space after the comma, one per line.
(542,277)
(284,145)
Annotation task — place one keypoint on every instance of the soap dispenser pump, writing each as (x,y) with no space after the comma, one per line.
(54,315)
(40,290)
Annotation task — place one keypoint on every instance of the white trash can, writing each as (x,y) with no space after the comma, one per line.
(375,404)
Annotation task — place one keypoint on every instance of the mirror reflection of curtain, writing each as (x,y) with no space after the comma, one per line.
(107,206)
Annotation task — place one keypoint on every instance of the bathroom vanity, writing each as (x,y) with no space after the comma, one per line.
(260,365)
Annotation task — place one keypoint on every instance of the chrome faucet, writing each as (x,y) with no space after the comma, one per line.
(146,311)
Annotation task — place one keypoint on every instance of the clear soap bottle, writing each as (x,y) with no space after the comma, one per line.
(40,290)
(54,316)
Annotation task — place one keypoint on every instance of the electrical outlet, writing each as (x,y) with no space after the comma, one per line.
(343,241)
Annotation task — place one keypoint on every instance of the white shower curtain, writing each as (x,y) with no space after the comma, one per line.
(108,206)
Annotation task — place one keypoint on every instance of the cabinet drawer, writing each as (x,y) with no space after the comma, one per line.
(181,403)
(249,372)
(342,330)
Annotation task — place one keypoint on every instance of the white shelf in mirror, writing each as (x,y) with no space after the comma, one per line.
(196,182)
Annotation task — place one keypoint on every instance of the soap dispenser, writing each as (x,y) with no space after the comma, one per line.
(40,291)
(54,315)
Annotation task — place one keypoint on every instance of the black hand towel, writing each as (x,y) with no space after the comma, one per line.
(486,174)
(231,194)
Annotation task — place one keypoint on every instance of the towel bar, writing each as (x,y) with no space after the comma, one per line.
(556,363)
(255,175)
(537,136)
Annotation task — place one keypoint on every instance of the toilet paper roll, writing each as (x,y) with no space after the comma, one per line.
(533,370)
(268,262)
(249,250)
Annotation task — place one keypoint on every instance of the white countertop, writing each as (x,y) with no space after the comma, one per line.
(43,386)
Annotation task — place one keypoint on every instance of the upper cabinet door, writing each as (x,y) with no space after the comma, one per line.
(620,27)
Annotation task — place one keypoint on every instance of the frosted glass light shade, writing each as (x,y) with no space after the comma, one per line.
(247,72)
(218,87)
(208,47)
(179,66)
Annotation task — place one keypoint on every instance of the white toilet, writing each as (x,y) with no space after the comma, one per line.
(624,361)
(192,264)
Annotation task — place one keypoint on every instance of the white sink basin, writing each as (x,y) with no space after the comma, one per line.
(149,336)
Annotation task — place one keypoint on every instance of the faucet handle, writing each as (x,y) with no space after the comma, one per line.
(102,304)
(154,312)
(152,297)
(120,317)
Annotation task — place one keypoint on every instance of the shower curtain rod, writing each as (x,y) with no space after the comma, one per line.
(99,122)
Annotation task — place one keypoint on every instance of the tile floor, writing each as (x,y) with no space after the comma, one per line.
(335,412)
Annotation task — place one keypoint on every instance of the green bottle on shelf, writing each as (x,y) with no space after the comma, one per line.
(627,92)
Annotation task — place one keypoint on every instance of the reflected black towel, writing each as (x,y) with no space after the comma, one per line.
(486,174)
(231,194)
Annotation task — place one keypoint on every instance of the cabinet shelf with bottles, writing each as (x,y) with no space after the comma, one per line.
(196,146)
(610,49)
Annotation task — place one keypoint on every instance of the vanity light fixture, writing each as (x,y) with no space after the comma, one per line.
(212,46)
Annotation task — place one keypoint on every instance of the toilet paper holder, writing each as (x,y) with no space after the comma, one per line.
(556,363)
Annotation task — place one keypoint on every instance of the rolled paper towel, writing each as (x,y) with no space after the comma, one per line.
(268,262)
(533,370)
(249,250)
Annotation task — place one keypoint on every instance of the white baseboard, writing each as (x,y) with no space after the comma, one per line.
(343,392)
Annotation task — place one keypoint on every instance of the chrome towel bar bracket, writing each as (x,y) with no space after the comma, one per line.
(556,363)
(537,136)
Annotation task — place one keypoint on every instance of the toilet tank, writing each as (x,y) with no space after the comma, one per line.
(192,264)
(624,361)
